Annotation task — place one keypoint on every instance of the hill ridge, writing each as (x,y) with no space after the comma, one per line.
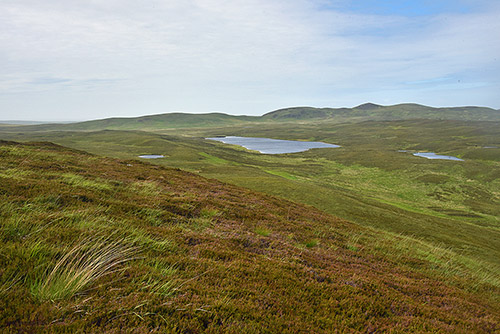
(368,106)
(364,112)
(371,111)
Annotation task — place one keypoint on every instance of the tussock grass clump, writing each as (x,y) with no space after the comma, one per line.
(262,231)
(312,243)
(82,265)
(209,213)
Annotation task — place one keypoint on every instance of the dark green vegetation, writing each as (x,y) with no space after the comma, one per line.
(433,222)
(94,244)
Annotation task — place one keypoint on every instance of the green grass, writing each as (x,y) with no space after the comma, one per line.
(262,231)
(282,174)
(79,181)
(13,173)
(218,256)
(213,160)
(166,250)
(355,182)
(312,243)
(160,279)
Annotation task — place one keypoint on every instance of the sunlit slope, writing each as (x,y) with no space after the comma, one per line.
(152,122)
(370,111)
(364,112)
(367,180)
(188,254)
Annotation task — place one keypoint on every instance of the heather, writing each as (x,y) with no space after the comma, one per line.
(95,244)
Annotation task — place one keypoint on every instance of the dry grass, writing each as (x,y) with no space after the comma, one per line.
(82,265)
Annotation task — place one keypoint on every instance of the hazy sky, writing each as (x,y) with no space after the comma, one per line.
(88,59)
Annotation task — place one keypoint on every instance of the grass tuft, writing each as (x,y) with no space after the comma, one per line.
(80,267)
(262,231)
(312,243)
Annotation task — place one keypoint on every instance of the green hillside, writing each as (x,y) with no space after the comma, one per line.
(92,244)
(370,111)
(364,112)
(152,122)
(415,249)
(171,120)
(366,180)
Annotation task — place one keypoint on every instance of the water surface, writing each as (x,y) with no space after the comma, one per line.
(152,156)
(272,146)
(432,155)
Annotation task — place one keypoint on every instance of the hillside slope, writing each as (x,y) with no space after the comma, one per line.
(370,111)
(183,253)
(170,120)
(364,112)
(151,122)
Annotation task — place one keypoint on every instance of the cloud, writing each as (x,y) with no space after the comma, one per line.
(240,56)
(48,81)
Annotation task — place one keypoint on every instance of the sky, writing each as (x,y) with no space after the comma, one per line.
(74,60)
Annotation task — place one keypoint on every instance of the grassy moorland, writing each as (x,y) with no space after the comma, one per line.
(435,218)
(364,112)
(370,111)
(94,244)
(447,203)
(151,122)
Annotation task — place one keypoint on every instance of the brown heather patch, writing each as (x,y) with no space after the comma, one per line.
(227,277)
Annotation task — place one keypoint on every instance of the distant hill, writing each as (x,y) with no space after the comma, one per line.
(364,112)
(370,111)
(305,113)
(16,122)
(171,120)
(368,106)
(151,122)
